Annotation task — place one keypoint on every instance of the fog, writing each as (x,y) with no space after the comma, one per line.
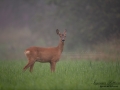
(25,23)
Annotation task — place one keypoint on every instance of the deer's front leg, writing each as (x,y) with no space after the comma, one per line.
(52,66)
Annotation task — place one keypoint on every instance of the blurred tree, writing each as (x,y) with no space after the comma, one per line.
(87,21)
(91,21)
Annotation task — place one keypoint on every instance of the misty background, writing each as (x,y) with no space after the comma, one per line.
(92,25)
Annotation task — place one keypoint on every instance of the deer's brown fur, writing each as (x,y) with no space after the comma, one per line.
(41,54)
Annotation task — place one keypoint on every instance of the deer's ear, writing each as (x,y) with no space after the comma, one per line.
(65,32)
(57,31)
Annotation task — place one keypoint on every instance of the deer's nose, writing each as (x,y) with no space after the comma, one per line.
(63,40)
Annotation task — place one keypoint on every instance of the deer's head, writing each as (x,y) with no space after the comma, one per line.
(62,35)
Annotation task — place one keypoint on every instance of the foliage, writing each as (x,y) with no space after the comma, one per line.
(26,23)
(91,21)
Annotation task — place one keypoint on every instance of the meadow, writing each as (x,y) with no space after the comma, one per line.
(69,75)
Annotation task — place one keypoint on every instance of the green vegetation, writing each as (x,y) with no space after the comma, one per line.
(69,75)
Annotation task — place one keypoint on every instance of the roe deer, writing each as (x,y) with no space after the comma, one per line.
(41,54)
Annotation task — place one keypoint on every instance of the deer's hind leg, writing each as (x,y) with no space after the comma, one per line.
(31,67)
(30,64)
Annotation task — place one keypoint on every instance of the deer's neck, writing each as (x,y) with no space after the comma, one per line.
(60,45)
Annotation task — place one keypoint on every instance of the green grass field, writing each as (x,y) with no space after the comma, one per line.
(69,75)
